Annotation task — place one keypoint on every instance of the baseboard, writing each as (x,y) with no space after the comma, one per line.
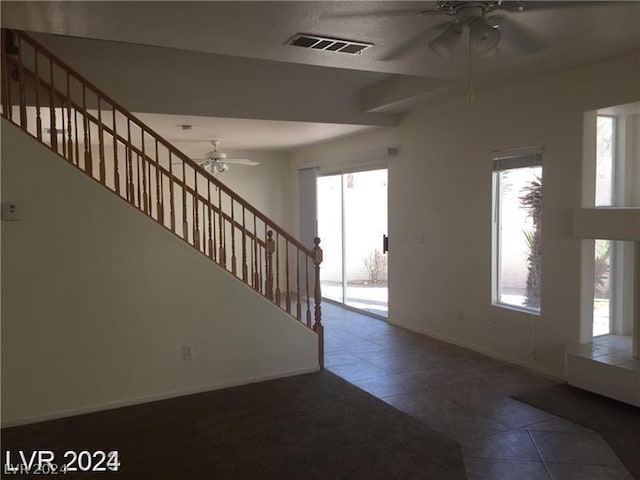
(150,398)
(485,351)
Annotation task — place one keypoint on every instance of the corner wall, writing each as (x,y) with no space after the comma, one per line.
(440,187)
(98,300)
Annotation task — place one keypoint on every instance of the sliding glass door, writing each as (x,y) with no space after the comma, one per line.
(352,219)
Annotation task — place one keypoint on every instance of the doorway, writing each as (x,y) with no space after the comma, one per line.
(352,219)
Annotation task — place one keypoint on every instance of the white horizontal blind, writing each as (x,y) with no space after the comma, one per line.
(517,158)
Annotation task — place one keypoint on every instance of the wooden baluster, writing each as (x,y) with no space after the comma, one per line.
(209,210)
(143,159)
(185,224)
(159,192)
(288,296)
(149,190)
(138,190)
(261,285)
(221,232)
(23,97)
(75,127)
(69,138)
(270,248)
(88,163)
(116,172)
(306,274)
(215,243)
(103,167)
(233,240)
(37,92)
(129,160)
(298,305)
(256,276)
(244,245)
(52,110)
(62,126)
(172,211)
(196,212)
(278,269)
(317,298)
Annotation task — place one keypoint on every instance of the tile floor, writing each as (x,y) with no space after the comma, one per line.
(466,396)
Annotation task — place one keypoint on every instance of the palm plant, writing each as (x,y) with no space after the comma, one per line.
(532,201)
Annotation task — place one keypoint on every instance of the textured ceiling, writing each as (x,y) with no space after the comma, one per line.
(578,34)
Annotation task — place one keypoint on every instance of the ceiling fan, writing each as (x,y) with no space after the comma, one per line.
(217,162)
(487,26)
(485,30)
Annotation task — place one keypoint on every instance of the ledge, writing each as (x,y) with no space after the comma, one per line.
(607,223)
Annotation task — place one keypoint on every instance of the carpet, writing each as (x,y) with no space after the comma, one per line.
(617,422)
(314,426)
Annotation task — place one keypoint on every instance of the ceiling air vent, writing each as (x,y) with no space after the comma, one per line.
(330,44)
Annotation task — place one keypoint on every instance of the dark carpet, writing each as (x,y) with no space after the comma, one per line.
(314,426)
(617,422)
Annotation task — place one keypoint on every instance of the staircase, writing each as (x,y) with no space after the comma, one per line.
(56,105)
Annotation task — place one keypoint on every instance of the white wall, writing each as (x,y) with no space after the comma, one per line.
(97,301)
(440,186)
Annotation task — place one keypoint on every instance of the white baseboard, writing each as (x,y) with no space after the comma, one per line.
(150,398)
(485,351)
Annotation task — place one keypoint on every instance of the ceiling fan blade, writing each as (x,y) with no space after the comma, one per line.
(522,41)
(406,12)
(420,40)
(550,4)
(241,161)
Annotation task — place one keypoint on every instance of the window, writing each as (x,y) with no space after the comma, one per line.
(517,233)
(605,164)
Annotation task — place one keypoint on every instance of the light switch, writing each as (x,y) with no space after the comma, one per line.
(11,211)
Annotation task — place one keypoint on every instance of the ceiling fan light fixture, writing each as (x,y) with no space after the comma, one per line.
(483,36)
(444,43)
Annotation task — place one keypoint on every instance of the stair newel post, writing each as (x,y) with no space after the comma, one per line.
(271,247)
(317,296)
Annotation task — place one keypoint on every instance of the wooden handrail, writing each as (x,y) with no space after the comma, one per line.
(161,139)
(171,194)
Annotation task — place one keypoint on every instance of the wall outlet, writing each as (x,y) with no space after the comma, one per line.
(11,212)
(187,352)
(534,355)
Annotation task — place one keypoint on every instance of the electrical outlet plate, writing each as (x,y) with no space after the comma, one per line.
(11,211)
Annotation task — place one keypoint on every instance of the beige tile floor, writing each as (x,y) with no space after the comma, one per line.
(466,396)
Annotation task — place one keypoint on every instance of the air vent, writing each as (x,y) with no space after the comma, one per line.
(330,44)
